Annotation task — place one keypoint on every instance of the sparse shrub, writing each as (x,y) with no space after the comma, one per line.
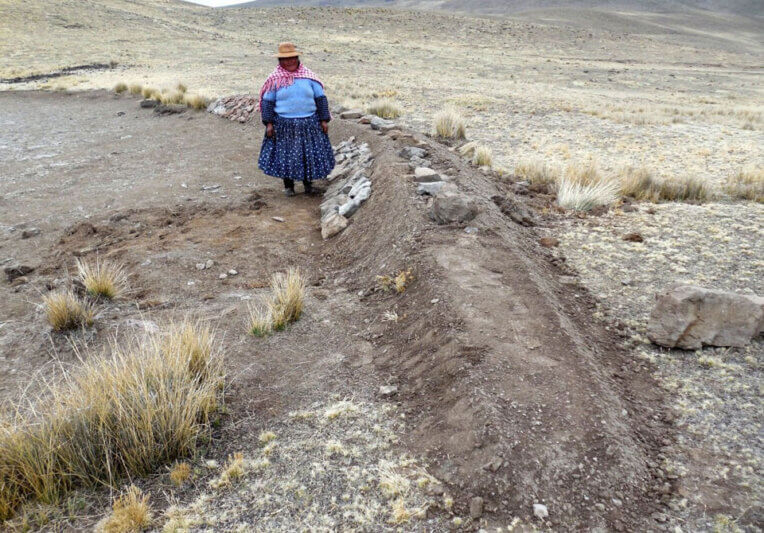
(181,88)
(579,197)
(65,311)
(135,88)
(193,341)
(483,156)
(147,92)
(638,183)
(537,172)
(171,97)
(195,101)
(288,295)
(104,278)
(746,184)
(131,513)
(449,124)
(118,415)
(180,473)
(385,108)
(120,87)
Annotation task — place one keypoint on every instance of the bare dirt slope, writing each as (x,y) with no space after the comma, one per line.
(509,389)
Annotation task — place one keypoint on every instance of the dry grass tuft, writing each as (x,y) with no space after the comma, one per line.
(232,471)
(195,101)
(398,283)
(483,156)
(102,279)
(131,513)
(284,305)
(181,88)
(639,183)
(135,88)
(583,172)
(537,172)
(260,320)
(449,124)
(468,149)
(581,197)
(180,473)
(171,97)
(288,296)
(119,415)
(120,87)
(385,108)
(746,184)
(65,311)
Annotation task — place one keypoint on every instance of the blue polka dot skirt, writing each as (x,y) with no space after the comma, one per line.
(299,150)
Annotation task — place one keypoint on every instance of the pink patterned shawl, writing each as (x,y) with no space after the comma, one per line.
(281,77)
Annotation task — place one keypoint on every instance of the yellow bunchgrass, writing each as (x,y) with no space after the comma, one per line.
(102,278)
(195,101)
(537,172)
(120,87)
(579,196)
(288,296)
(171,97)
(639,183)
(135,88)
(131,513)
(260,320)
(181,88)
(123,414)
(385,108)
(283,306)
(232,471)
(746,184)
(449,124)
(483,156)
(65,311)
(468,149)
(180,473)
(586,173)
(399,282)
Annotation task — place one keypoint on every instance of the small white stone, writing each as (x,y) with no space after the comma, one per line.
(540,511)
(278,219)
(223,276)
(190,283)
(434,300)
(200,266)
(232,272)
(237,177)
(209,263)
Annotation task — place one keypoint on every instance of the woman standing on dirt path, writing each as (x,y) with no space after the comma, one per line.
(296,115)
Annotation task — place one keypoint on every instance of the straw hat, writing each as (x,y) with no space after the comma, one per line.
(287,50)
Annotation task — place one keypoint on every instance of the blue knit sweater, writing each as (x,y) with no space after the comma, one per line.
(297,100)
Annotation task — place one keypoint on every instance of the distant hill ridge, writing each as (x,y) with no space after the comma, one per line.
(748,8)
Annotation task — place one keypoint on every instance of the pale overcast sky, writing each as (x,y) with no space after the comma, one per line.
(216,3)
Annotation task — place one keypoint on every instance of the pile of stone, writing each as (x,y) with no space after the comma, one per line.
(376,123)
(349,186)
(239,107)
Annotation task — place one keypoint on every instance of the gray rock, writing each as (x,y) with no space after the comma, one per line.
(363,194)
(358,185)
(170,109)
(432,188)
(349,208)
(332,204)
(476,507)
(16,271)
(209,263)
(366,119)
(378,123)
(540,511)
(516,211)
(452,206)
(148,104)
(352,113)
(425,172)
(386,391)
(688,317)
(412,151)
(419,162)
(31,232)
(332,225)
(200,266)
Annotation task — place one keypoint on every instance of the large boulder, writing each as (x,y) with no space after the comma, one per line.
(332,225)
(687,316)
(452,206)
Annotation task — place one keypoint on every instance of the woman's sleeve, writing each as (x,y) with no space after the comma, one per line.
(322,104)
(268,107)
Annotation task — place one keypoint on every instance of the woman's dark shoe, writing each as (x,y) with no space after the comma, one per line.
(289,192)
(308,186)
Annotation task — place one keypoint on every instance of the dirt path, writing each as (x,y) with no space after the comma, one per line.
(507,388)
